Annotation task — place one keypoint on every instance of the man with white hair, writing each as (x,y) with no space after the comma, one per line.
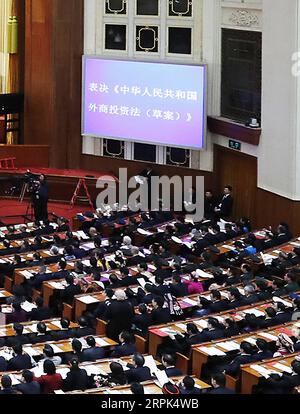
(119,315)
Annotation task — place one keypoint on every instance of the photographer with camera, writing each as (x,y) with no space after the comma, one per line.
(39,195)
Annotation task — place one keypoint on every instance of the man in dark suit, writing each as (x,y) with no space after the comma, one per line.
(65,332)
(236,299)
(84,328)
(41,313)
(159,314)
(93,352)
(18,315)
(143,320)
(6,384)
(19,338)
(41,335)
(67,295)
(187,386)
(218,304)
(214,329)
(250,296)
(20,360)
(168,362)
(28,386)
(178,288)
(263,350)
(224,209)
(218,382)
(137,371)
(246,356)
(127,346)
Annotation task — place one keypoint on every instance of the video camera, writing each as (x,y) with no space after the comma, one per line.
(32,181)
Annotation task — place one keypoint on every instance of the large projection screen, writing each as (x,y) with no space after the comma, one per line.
(153,103)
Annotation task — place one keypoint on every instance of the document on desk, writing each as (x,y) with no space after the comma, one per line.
(206,275)
(176,240)
(81,234)
(93,370)
(226,246)
(169,331)
(31,351)
(142,282)
(88,300)
(267,258)
(212,351)
(276,299)
(27,306)
(254,312)
(57,285)
(144,232)
(282,367)
(101,342)
(56,323)
(14,380)
(63,372)
(6,355)
(190,301)
(28,275)
(88,246)
(181,326)
(268,336)
(150,363)
(32,328)
(56,349)
(202,323)
(162,377)
(262,371)
(229,345)
(251,340)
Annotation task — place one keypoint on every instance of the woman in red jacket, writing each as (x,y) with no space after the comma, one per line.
(51,381)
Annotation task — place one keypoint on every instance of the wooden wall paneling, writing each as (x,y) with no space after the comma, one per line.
(240,171)
(54,46)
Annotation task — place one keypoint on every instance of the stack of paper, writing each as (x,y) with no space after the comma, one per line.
(268,336)
(262,371)
(283,368)
(101,342)
(202,323)
(28,275)
(57,285)
(27,306)
(212,351)
(203,274)
(229,345)
(88,300)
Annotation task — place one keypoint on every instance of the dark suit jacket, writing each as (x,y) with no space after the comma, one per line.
(40,314)
(123,350)
(138,374)
(173,372)
(179,290)
(67,295)
(17,340)
(160,315)
(3,365)
(226,206)
(92,354)
(233,368)
(76,380)
(19,362)
(29,388)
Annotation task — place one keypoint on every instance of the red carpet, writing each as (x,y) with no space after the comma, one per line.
(16,209)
